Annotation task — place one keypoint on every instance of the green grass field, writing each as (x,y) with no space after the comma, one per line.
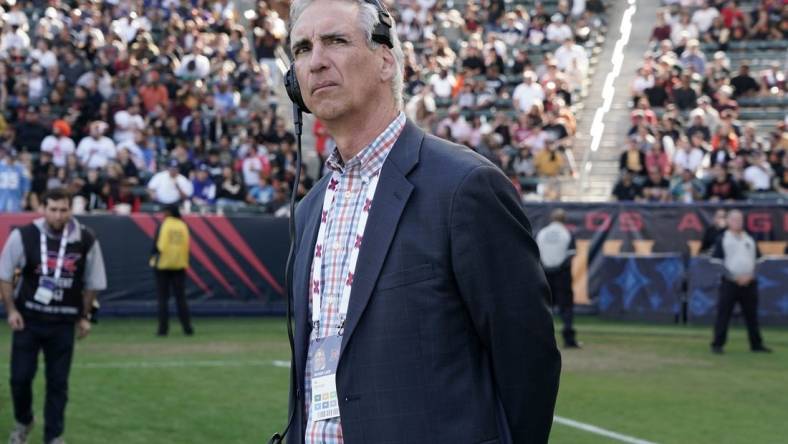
(655,383)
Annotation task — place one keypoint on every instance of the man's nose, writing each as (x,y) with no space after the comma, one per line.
(318,58)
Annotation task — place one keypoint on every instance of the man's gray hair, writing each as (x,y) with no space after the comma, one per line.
(368,18)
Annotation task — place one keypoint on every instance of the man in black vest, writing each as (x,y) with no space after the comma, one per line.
(62,269)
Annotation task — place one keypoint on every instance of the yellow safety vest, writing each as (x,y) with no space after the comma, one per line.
(172,245)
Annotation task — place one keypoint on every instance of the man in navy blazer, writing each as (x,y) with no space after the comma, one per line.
(447,337)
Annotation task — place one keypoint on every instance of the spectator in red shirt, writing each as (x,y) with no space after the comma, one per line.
(154,93)
(731,12)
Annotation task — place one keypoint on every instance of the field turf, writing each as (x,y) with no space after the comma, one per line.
(656,383)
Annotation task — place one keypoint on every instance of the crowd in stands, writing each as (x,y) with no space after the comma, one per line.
(128,102)
(687,142)
(110,98)
(503,82)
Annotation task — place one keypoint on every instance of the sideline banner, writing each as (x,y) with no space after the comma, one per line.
(610,229)
(237,263)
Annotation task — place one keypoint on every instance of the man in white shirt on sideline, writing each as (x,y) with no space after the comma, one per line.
(557,249)
(738,253)
(169,186)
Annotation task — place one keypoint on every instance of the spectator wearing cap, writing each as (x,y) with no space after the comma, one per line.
(693,58)
(558,31)
(194,65)
(698,125)
(528,93)
(169,187)
(204,186)
(96,150)
(59,143)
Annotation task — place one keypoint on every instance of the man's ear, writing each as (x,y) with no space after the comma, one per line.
(388,65)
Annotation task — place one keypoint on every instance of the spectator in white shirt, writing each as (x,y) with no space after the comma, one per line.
(443,83)
(643,81)
(683,30)
(169,186)
(759,174)
(557,30)
(96,150)
(687,157)
(570,52)
(459,128)
(127,124)
(251,167)
(43,55)
(59,143)
(528,93)
(704,17)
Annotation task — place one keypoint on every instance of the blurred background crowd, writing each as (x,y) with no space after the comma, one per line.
(136,103)
(708,118)
(131,103)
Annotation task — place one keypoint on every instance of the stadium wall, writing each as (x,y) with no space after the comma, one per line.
(633,260)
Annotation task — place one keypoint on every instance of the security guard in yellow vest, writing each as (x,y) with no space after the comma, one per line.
(170,261)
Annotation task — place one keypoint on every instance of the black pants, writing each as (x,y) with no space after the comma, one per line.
(747,297)
(175,280)
(561,287)
(56,339)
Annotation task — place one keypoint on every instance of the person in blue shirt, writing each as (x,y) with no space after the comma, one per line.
(204,187)
(14,183)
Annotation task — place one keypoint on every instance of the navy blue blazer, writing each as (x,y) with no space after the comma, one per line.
(448,338)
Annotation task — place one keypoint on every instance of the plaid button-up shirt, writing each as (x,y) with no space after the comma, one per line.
(342,224)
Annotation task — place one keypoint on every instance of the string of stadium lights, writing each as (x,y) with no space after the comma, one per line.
(608,90)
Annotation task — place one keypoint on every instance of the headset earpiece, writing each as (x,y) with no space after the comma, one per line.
(294,90)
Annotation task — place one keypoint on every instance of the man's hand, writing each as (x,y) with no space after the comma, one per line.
(15,320)
(83,328)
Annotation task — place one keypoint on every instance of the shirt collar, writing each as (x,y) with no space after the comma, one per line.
(370,159)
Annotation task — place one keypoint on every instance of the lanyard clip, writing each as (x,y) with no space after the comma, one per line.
(341,327)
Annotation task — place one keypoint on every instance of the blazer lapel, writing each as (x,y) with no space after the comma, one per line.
(391,196)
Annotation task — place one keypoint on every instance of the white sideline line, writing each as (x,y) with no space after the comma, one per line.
(599,431)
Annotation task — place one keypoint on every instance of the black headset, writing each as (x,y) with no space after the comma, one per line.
(382,34)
